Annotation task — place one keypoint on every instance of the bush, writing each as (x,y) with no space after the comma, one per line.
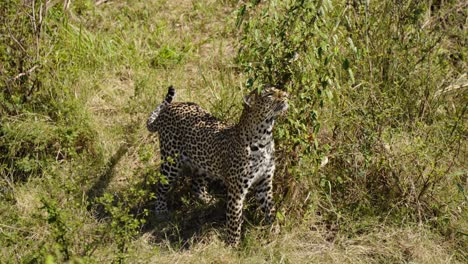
(41,123)
(376,118)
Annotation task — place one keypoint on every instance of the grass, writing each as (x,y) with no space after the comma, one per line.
(371,156)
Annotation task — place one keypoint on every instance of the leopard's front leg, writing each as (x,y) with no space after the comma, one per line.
(264,194)
(236,197)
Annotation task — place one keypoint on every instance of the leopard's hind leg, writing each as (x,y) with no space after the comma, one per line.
(200,186)
(170,171)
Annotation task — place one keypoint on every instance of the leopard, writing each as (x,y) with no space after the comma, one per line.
(241,155)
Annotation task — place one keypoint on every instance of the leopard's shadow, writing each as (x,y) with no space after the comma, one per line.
(188,220)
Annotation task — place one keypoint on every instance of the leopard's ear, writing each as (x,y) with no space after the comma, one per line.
(267,88)
(247,100)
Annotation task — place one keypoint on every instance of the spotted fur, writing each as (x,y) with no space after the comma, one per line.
(241,155)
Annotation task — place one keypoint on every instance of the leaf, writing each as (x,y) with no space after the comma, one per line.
(458,173)
(345,64)
(280,216)
(329,94)
(351,75)
(240,16)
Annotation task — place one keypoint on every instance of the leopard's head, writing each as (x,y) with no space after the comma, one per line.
(268,103)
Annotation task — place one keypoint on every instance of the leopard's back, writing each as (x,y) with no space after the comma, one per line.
(187,117)
(188,132)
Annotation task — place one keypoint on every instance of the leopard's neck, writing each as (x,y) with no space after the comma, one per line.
(255,132)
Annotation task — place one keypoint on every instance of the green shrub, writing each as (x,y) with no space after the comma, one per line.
(41,123)
(369,85)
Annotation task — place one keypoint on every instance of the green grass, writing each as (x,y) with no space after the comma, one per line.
(371,156)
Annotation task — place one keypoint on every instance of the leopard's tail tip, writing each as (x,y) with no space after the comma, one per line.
(170,94)
(152,123)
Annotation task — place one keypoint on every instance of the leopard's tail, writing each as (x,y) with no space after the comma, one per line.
(151,123)
(170,95)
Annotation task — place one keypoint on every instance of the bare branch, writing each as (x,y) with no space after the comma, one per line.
(24,73)
(100,2)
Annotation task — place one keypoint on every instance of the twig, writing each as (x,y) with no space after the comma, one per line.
(12,227)
(34,15)
(431,19)
(100,2)
(51,3)
(458,121)
(428,51)
(17,42)
(451,88)
(66,5)
(24,73)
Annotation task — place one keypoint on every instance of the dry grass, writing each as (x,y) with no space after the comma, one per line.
(302,245)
